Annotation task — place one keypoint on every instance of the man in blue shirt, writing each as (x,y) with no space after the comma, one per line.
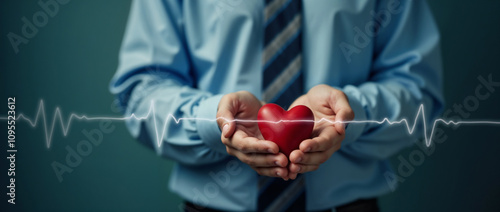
(202,60)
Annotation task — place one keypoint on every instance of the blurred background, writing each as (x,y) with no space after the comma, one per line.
(70,60)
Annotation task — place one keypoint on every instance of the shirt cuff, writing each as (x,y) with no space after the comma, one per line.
(355,130)
(207,128)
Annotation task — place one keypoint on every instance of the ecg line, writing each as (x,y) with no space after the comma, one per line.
(49,131)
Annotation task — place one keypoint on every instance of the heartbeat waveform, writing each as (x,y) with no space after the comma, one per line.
(65,126)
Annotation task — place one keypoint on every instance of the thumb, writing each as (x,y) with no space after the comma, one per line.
(343,115)
(343,112)
(225,115)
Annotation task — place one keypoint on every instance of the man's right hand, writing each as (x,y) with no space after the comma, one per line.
(244,140)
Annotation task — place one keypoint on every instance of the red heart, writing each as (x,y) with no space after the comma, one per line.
(286,128)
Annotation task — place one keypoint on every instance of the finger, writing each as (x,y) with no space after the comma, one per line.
(322,142)
(248,144)
(261,160)
(272,172)
(299,168)
(313,158)
(297,156)
(292,175)
(225,115)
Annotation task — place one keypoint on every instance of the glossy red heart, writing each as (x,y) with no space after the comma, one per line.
(286,128)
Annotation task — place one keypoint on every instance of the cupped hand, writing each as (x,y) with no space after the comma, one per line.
(330,107)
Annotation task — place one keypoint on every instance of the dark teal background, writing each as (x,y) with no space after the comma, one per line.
(72,58)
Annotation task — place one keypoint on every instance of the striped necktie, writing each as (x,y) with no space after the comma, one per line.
(282,84)
(282,56)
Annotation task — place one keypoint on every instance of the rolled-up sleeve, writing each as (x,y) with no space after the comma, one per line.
(155,80)
(406,73)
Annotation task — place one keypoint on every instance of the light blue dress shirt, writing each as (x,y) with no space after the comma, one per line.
(185,55)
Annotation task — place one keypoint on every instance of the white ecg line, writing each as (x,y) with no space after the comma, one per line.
(49,131)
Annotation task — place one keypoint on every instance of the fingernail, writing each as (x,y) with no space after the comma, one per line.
(298,160)
(270,150)
(277,163)
(298,170)
(225,128)
(278,173)
(308,149)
